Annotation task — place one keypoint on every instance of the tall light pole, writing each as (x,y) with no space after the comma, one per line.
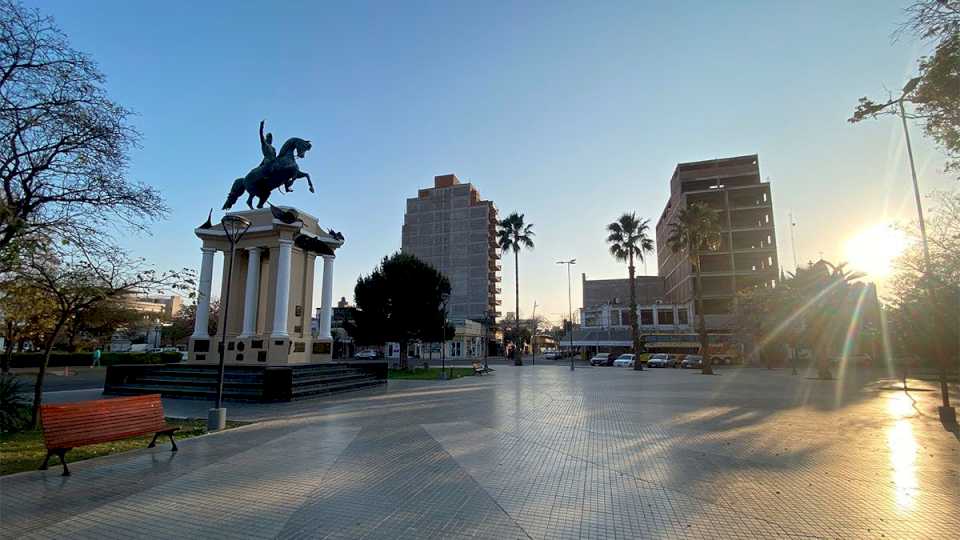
(947,413)
(444,297)
(533,334)
(234,228)
(570,263)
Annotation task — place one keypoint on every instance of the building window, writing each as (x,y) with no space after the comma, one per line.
(455,348)
(682,316)
(646,316)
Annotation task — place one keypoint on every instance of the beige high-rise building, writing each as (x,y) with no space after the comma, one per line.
(748,249)
(451,228)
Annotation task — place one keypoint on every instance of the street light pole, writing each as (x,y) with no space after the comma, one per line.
(570,306)
(533,334)
(234,228)
(947,413)
(443,335)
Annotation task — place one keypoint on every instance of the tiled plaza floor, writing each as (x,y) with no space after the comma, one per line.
(532,453)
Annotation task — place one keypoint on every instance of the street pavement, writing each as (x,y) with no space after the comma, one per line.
(532,452)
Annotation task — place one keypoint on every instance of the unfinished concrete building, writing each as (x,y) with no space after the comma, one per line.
(747,256)
(450,227)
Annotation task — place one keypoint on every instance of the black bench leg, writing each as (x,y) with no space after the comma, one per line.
(46,460)
(63,461)
(173,442)
(154,441)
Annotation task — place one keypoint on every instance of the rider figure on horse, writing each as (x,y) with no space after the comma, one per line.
(269,155)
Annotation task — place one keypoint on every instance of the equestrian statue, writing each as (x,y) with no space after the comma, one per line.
(275,170)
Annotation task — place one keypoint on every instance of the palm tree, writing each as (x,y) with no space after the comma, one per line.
(628,239)
(696,229)
(513,234)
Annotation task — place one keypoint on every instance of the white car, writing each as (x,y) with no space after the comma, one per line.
(367,355)
(661,360)
(600,359)
(624,360)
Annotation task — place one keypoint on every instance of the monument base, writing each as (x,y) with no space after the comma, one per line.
(269,350)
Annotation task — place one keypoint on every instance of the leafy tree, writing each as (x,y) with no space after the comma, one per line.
(934,92)
(74,282)
(513,234)
(63,142)
(182,323)
(922,324)
(629,239)
(26,315)
(100,322)
(399,301)
(696,229)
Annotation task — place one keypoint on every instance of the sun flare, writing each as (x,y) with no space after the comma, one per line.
(873,250)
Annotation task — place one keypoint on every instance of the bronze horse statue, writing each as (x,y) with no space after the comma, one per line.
(271,174)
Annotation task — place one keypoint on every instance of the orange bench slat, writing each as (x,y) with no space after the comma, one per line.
(77,424)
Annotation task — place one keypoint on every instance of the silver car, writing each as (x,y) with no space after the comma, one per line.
(692,361)
(661,360)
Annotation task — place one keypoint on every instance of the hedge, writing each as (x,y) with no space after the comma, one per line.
(60,359)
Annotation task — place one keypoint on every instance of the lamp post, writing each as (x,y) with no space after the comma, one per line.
(569,306)
(947,413)
(533,334)
(234,227)
(444,297)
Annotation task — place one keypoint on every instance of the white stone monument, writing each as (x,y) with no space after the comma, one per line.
(271,291)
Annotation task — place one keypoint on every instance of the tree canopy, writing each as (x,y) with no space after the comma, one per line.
(64,143)
(935,94)
(400,301)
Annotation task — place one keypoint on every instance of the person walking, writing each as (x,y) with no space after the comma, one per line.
(96,357)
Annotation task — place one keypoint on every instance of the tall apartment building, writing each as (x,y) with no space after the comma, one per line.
(747,256)
(450,227)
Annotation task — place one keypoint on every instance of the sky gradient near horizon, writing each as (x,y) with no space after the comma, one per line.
(569,112)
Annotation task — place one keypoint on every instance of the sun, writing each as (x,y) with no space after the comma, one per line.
(873,250)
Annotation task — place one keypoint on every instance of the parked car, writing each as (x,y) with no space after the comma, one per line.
(367,355)
(624,360)
(661,360)
(600,359)
(692,361)
(859,360)
(552,355)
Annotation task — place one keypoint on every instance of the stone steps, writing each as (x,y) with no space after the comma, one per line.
(241,383)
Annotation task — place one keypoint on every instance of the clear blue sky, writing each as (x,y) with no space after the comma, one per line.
(569,112)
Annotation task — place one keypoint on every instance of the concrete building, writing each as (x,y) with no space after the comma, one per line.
(450,227)
(747,256)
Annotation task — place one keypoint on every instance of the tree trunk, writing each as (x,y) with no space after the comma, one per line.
(517,355)
(707,368)
(9,342)
(634,327)
(38,386)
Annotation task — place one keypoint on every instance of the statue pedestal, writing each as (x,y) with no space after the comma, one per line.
(270,290)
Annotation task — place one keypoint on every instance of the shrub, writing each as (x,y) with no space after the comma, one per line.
(60,359)
(14,410)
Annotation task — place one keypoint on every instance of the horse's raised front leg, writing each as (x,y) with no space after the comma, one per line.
(250,201)
(301,174)
(263,199)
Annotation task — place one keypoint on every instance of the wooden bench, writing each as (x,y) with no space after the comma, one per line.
(69,425)
(480,369)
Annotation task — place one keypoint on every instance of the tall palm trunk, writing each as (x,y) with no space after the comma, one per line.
(517,353)
(634,330)
(706,367)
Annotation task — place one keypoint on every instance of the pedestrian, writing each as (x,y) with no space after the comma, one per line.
(96,357)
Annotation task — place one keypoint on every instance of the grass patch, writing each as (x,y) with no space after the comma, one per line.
(24,451)
(429,374)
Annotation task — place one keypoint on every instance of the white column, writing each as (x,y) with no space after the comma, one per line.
(283,289)
(656,318)
(326,297)
(202,318)
(252,293)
